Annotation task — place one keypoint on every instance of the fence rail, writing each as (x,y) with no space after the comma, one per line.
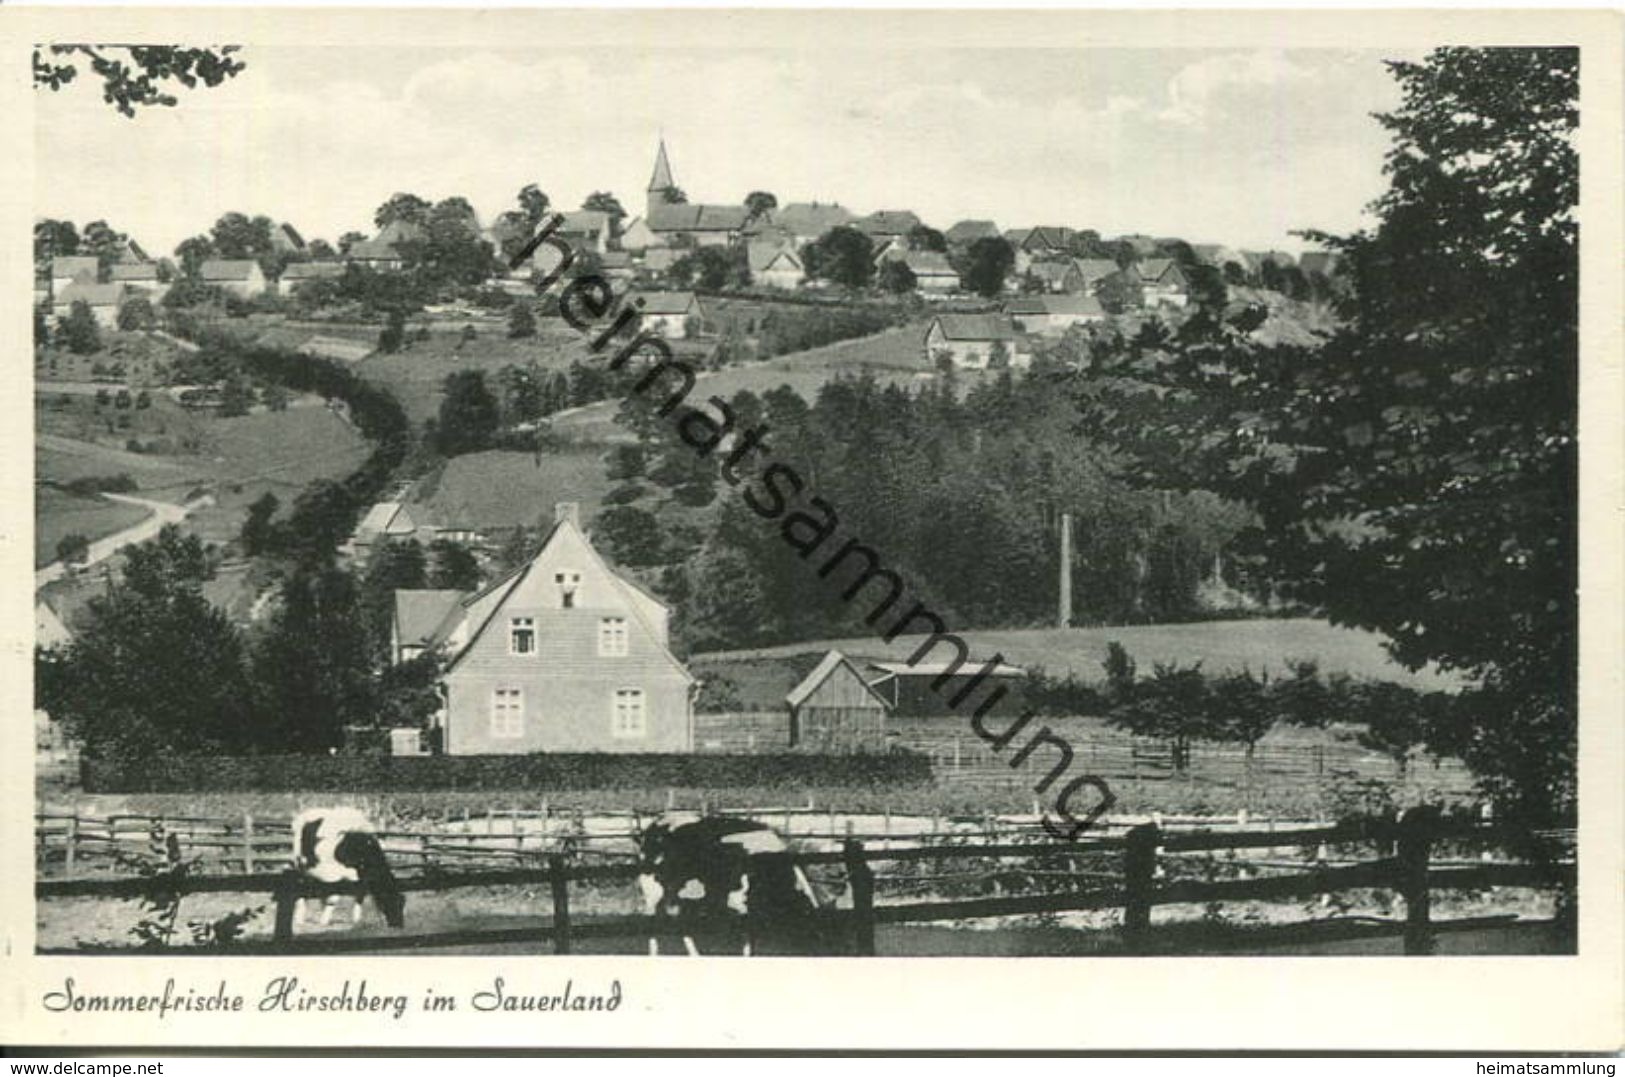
(1136,889)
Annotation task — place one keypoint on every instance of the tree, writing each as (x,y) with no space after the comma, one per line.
(673,195)
(320,250)
(401,206)
(629,535)
(1172,705)
(452,566)
(312,668)
(986,264)
(350,239)
(925,238)
(53,239)
(393,334)
(193,253)
(521,322)
(105,242)
(79,329)
(604,202)
(1121,292)
(136,314)
(1241,708)
(153,666)
(1416,474)
(469,415)
(842,255)
(73,549)
(712,268)
(259,533)
(533,204)
(896,277)
(136,75)
(236,235)
(759,204)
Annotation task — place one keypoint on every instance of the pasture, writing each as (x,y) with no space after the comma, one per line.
(58,514)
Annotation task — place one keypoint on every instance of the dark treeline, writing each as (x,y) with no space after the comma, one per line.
(959,493)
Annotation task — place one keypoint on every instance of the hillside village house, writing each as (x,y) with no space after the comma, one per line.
(638,237)
(1057,277)
(69,268)
(775,265)
(382,251)
(1051,315)
(387,521)
(586,229)
(241,277)
(1162,283)
(616,265)
(704,225)
(887,224)
(1034,244)
(971,341)
(804,222)
(932,272)
(667,313)
(285,239)
(104,301)
(560,655)
(297,273)
(1093,272)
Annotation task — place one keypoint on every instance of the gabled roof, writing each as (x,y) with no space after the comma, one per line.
(579,222)
(135,271)
(1047,237)
(70,266)
(1080,306)
(96,295)
(1155,269)
(763,255)
(666,302)
(312,270)
(692,217)
(285,237)
(1096,269)
(426,618)
(811,218)
(386,517)
(1050,271)
(888,222)
(976,327)
(929,264)
(970,231)
(228,269)
(382,247)
(827,665)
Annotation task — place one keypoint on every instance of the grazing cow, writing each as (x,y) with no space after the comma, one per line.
(337,845)
(707,872)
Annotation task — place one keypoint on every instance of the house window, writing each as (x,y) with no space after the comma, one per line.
(507,713)
(631,714)
(522,635)
(568,582)
(612,637)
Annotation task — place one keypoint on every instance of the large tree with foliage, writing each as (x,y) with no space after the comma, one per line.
(985,265)
(469,414)
(1416,474)
(842,255)
(133,76)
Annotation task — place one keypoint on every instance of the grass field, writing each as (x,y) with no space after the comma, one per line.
(893,355)
(503,489)
(1259,645)
(58,514)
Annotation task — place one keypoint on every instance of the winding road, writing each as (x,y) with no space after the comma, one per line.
(160,513)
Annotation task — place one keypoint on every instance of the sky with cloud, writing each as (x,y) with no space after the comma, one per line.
(1238,147)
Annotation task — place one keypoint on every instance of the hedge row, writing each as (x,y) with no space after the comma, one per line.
(496,773)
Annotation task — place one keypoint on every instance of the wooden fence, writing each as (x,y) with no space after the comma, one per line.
(1405,864)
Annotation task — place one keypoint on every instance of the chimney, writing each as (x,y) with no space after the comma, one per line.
(568,512)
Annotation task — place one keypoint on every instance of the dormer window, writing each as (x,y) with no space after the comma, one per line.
(522,635)
(567,582)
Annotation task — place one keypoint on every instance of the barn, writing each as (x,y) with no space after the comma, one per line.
(833,709)
(912,691)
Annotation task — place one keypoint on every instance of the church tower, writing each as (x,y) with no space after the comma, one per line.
(660,181)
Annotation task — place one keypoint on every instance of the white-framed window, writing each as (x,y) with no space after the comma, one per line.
(612,641)
(522,635)
(507,713)
(631,715)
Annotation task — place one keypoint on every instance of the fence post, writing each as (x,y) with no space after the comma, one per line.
(73,841)
(248,844)
(1139,873)
(287,900)
(1415,841)
(862,880)
(559,879)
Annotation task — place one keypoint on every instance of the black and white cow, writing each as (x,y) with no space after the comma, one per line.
(338,845)
(708,873)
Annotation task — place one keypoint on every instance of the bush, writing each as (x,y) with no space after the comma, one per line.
(497,773)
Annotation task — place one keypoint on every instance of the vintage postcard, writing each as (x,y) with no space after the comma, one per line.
(813,529)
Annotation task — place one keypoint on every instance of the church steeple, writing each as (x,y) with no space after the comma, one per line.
(662,175)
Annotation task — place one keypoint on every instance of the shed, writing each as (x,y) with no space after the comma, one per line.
(833,709)
(913,690)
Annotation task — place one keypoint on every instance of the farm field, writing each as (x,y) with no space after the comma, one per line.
(892,355)
(499,489)
(58,514)
(1261,645)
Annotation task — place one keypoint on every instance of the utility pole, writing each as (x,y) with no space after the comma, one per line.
(1064,614)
